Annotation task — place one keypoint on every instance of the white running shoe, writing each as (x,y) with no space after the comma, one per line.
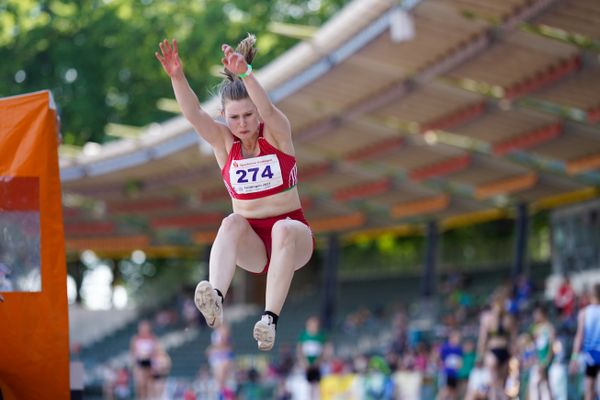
(209,303)
(264,333)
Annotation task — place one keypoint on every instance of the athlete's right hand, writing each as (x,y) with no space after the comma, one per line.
(170,58)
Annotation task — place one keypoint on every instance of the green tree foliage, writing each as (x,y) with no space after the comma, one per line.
(472,247)
(97,56)
(385,254)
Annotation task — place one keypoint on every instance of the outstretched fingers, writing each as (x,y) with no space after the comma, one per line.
(166,49)
(168,45)
(225,62)
(168,56)
(227,50)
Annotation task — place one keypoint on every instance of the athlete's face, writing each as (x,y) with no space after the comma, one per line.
(241,117)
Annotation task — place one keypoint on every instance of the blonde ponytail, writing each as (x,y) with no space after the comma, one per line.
(245,48)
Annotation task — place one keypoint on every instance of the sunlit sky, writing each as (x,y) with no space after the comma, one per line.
(96,289)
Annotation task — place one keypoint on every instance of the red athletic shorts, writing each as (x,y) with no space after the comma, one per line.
(263,227)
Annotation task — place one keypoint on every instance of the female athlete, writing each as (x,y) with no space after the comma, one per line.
(267,231)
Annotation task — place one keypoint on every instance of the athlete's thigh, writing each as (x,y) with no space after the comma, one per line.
(251,252)
(303,240)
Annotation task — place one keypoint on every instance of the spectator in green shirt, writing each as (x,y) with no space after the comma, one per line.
(310,349)
(468,363)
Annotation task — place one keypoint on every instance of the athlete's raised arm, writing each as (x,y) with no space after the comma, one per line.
(212,131)
(275,120)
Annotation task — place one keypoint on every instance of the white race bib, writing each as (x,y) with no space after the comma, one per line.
(255,174)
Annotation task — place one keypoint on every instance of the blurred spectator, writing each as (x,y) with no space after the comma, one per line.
(310,350)
(204,386)
(451,357)
(478,387)
(285,361)
(587,341)
(122,387)
(327,358)
(189,394)
(360,362)
(584,299)
(143,346)
(400,333)
(565,299)
(523,291)
(161,366)
(453,281)
(109,378)
(116,383)
(378,383)
(558,372)
(165,318)
(421,359)
(430,354)
(512,387)
(282,392)
(251,389)
(77,373)
(407,380)
(339,384)
(220,356)
(468,363)
(526,351)
(543,337)
(189,312)
(496,335)
(393,360)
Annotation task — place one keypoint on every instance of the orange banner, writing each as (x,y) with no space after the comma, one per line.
(34,331)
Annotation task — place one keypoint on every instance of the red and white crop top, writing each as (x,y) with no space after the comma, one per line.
(269,173)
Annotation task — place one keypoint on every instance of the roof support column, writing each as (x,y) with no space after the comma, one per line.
(521,227)
(78,272)
(330,281)
(429,267)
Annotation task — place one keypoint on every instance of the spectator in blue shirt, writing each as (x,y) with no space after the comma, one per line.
(451,357)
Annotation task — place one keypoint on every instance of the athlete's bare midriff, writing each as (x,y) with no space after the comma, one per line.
(270,206)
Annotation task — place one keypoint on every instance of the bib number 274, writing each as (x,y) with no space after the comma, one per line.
(253,173)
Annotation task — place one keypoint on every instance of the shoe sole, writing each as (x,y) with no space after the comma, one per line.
(264,336)
(203,297)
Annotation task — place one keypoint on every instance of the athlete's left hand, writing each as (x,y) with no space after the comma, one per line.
(233,61)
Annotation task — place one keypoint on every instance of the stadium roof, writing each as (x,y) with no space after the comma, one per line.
(451,110)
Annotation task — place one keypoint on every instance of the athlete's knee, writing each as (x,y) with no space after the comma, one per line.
(233,223)
(283,234)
